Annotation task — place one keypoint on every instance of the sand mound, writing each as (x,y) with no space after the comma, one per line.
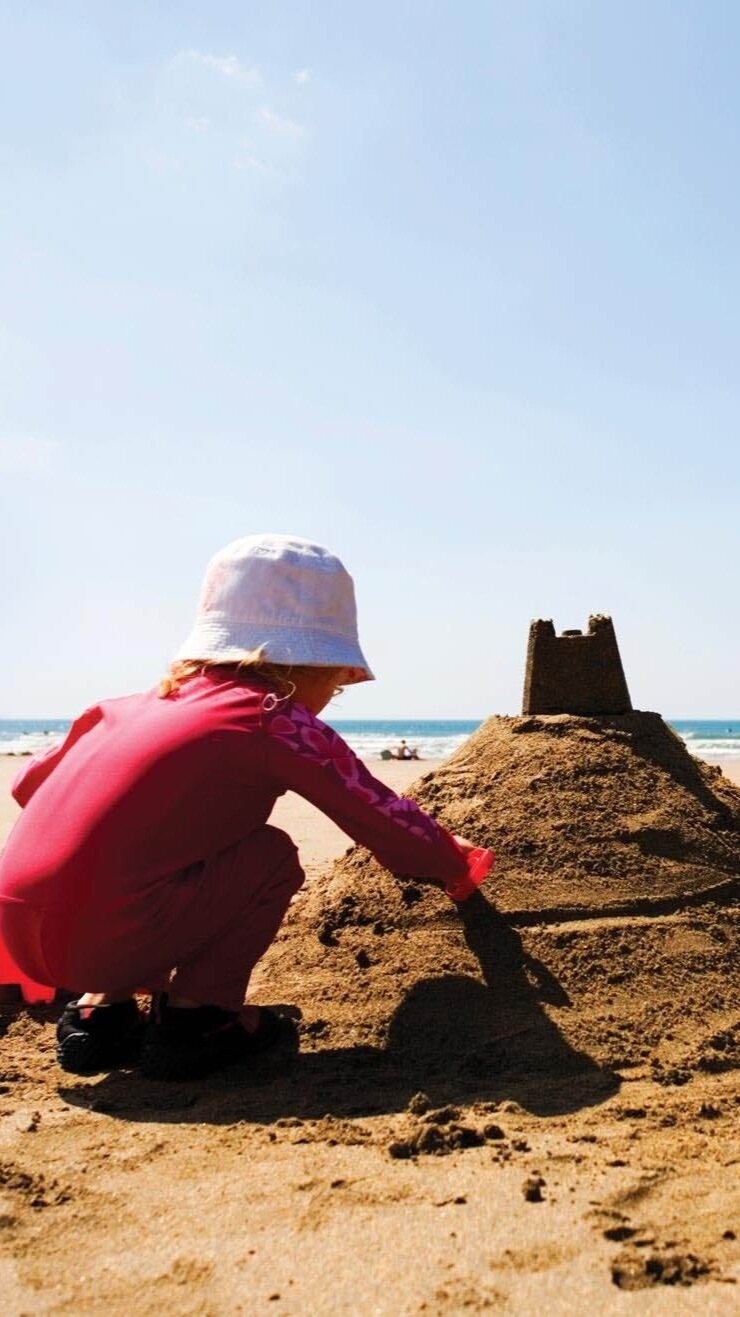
(607,936)
(586,815)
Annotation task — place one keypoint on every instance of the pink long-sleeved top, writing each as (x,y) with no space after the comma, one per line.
(143,787)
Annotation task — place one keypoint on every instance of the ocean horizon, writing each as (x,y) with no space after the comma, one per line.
(715,738)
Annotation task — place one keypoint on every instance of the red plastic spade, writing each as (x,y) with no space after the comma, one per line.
(480,863)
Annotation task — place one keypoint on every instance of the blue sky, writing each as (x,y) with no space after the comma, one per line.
(452,288)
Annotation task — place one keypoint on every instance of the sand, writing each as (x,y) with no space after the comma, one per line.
(616,886)
(323,1185)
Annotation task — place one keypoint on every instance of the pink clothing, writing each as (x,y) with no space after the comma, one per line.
(230,908)
(142,845)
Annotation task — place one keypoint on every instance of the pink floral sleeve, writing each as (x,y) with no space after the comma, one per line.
(307,756)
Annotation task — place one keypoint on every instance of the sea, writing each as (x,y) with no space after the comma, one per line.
(718,738)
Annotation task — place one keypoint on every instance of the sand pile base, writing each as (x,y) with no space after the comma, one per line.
(608,937)
(587,816)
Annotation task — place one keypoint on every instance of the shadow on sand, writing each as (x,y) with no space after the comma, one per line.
(455,1038)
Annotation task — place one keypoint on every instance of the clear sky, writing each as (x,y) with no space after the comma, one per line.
(453,288)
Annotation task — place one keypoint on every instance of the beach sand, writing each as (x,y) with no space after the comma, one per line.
(219,1197)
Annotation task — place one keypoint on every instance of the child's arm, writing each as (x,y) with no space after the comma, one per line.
(38,769)
(306,756)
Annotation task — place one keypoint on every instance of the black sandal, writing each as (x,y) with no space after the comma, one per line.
(188,1044)
(95,1038)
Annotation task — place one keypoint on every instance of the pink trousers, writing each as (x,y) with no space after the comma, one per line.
(199,933)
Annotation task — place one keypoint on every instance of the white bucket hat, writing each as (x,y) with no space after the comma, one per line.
(285,595)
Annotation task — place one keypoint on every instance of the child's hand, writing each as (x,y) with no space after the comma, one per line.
(465,846)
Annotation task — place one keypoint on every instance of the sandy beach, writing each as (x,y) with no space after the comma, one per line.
(251,1193)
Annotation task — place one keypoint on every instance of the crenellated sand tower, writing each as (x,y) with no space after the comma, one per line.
(575,672)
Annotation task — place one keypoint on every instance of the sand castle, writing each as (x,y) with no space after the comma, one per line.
(573,672)
(607,934)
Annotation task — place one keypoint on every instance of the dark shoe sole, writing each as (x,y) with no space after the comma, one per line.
(161,1059)
(79,1054)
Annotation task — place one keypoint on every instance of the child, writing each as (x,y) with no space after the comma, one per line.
(143,860)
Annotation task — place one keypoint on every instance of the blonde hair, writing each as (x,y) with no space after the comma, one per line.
(279,675)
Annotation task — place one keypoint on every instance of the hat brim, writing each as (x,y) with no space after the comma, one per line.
(217,641)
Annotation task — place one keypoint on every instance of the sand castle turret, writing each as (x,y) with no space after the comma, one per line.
(573,672)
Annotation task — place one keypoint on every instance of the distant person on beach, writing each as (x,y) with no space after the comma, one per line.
(143,859)
(405,751)
(401,751)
